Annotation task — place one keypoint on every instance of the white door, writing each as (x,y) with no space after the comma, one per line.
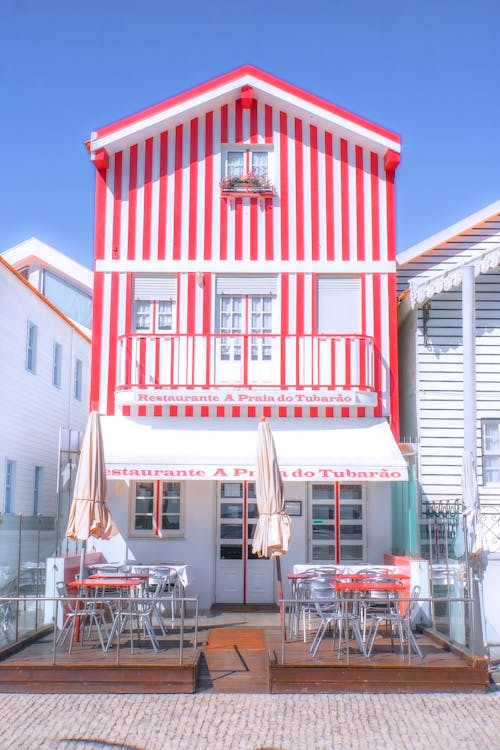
(241,577)
(246,351)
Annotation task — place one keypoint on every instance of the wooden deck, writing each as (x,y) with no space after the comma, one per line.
(244,663)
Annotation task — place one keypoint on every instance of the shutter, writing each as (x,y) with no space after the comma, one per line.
(259,285)
(155,287)
(339,304)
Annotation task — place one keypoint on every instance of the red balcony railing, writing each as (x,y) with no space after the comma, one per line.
(251,360)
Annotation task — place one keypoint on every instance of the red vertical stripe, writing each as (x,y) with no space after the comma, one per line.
(254,230)
(148,187)
(329,194)
(207,329)
(284,196)
(344,199)
(254,129)
(178,202)
(223,203)
(132,203)
(100,214)
(238,122)
(313,139)
(193,188)
(113,331)
(363,362)
(268,124)
(299,329)
(162,197)
(299,189)
(238,229)
(375,207)
(269,228)
(209,171)
(117,205)
(360,204)
(344,412)
(391,216)
(338,551)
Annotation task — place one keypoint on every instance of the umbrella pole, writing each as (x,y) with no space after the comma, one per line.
(280,591)
(82,557)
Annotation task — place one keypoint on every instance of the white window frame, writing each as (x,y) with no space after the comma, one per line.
(152,294)
(248,151)
(489,454)
(155,532)
(31,345)
(343,501)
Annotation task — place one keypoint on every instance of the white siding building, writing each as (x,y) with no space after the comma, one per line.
(44,385)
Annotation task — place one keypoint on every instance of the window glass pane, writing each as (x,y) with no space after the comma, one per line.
(351,552)
(142,315)
(323,552)
(259,163)
(231,531)
(231,552)
(323,531)
(231,510)
(73,302)
(351,512)
(56,365)
(322,492)
(351,491)
(165,317)
(351,531)
(78,380)
(235,163)
(232,489)
(252,510)
(326,512)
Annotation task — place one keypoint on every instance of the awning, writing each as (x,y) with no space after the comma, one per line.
(219,449)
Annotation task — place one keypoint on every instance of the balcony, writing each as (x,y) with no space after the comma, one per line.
(253,361)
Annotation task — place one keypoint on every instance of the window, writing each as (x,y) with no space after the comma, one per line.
(56,365)
(338,304)
(245,161)
(36,489)
(9,486)
(337,516)
(491,451)
(154,304)
(72,301)
(77,389)
(157,509)
(245,306)
(31,338)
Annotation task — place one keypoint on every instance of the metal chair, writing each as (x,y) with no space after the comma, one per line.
(333,610)
(399,621)
(136,613)
(88,611)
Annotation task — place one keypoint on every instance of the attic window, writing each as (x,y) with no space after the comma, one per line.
(247,170)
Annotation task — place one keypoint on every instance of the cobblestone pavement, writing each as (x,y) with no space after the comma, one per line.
(250,722)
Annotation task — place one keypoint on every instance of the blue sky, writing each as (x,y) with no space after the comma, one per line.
(428,70)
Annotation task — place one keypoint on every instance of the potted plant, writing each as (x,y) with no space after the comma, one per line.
(250,182)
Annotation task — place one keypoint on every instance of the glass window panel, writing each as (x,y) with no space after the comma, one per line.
(142,315)
(323,531)
(351,552)
(232,489)
(323,552)
(170,522)
(326,512)
(165,317)
(251,490)
(351,531)
(351,491)
(252,510)
(143,523)
(231,552)
(251,556)
(351,512)
(231,531)
(231,510)
(322,492)
(235,163)
(259,163)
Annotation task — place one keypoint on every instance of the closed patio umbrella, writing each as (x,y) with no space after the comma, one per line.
(89,515)
(272,531)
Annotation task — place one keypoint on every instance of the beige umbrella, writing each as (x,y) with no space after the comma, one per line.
(89,515)
(272,531)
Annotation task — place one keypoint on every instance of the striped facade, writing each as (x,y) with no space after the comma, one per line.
(159,209)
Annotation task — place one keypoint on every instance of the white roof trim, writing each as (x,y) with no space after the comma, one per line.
(423,289)
(204,449)
(447,234)
(158,118)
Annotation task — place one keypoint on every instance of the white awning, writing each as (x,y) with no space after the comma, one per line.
(335,450)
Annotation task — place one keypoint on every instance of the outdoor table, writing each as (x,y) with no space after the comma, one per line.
(123,584)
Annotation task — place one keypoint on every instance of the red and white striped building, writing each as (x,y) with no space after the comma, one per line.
(245,266)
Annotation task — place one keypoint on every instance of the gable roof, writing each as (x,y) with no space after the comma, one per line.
(225,89)
(436,264)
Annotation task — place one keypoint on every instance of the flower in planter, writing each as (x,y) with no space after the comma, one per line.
(251,181)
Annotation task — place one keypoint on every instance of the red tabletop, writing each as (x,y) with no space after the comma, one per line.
(102,582)
(118,576)
(367,585)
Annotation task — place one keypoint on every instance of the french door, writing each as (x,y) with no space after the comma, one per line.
(337,514)
(241,577)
